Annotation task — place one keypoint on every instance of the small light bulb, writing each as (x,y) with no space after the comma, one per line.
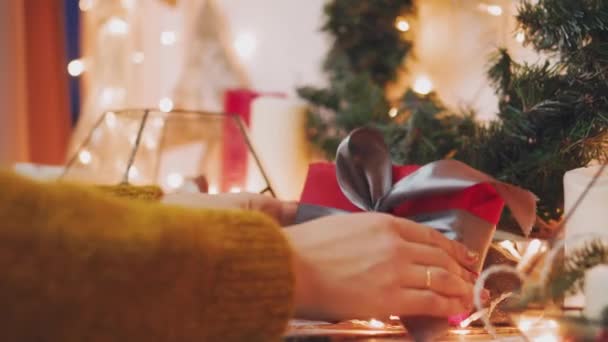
(402,25)
(494,10)
(551,324)
(76,67)
(423,85)
(510,247)
(213,190)
(150,142)
(128,4)
(158,122)
(110,119)
(374,323)
(137,57)
(133,172)
(394,318)
(393,112)
(235,189)
(245,44)
(165,104)
(525,324)
(460,331)
(86,5)
(117,26)
(168,38)
(175,180)
(85,157)
(111,96)
(520,37)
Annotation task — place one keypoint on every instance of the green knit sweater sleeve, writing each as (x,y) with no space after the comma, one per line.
(79,265)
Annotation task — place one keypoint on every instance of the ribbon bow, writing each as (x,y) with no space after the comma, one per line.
(365,176)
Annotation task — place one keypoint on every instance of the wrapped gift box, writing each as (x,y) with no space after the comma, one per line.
(459,201)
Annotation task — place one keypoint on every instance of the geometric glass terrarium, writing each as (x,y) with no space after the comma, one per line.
(170,149)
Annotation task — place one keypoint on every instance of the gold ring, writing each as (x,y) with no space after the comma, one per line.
(428,277)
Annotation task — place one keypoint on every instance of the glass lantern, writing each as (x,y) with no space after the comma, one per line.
(199,151)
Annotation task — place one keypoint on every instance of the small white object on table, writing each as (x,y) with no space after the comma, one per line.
(278,135)
(591,217)
(596,292)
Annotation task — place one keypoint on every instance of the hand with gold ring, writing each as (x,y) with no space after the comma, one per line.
(375,265)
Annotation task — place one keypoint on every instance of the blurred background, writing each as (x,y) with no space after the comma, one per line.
(66,62)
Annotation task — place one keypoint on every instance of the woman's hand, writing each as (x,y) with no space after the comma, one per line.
(375,265)
(283,212)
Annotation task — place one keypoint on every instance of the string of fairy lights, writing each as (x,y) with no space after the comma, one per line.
(244,45)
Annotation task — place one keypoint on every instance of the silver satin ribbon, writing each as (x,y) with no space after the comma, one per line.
(364,173)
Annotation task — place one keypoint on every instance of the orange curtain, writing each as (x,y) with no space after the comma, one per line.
(47,83)
(13,107)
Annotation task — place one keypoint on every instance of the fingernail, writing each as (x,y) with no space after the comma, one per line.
(472,256)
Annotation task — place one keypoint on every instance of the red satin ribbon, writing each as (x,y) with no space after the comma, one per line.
(482,200)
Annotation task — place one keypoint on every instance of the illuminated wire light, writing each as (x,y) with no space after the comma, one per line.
(85,157)
(168,38)
(117,26)
(175,180)
(165,104)
(133,172)
(158,122)
(423,85)
(110,96)
(76,67)
(374,323)
(137,57)
(393,112)
(494,10)
(520,37)
(245,44)
(128,4)
(510,247)
(86,5)
(402,25)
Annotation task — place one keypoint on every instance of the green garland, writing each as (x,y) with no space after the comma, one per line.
(568,275)
(553,117)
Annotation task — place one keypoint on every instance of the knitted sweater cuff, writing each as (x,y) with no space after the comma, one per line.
(256,276)
(79,265)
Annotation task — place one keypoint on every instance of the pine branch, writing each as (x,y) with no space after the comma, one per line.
(552,117)
(568,277)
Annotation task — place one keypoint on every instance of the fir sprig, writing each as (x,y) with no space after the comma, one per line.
(569,277)
(553,116)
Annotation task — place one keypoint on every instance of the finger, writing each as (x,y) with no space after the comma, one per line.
(426,255)
(436,279)
(415,302)
(415,232)
(194,200)
(288,213)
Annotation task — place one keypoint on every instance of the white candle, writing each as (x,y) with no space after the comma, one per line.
(592,214)
(278,135)
(595,292)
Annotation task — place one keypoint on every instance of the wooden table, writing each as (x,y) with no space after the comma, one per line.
(300,331)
